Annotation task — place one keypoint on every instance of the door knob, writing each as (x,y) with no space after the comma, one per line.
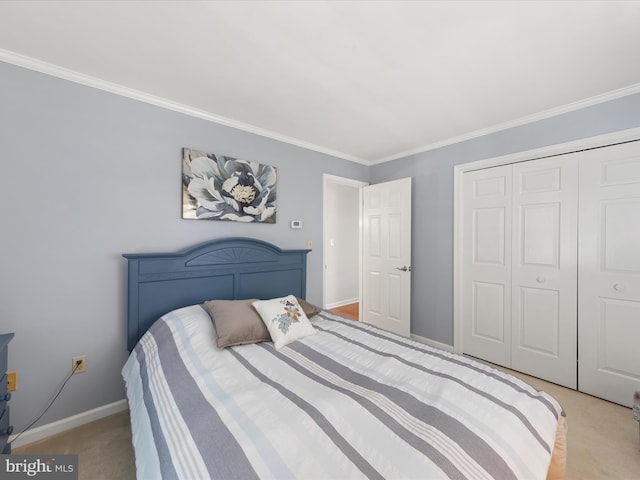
(541,279)
(618,287)
(404,269)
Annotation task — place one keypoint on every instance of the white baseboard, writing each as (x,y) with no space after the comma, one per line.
(432,343)
(68,423)
(341,303)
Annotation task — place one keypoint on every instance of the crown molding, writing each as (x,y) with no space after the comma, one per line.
(595,100)
(94,82)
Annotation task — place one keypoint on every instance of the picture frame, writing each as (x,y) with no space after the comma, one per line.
(218,187)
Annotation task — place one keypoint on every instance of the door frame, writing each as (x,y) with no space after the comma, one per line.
(327,179)
(527,155)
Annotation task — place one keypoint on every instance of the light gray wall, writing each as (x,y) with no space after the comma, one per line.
(342,258)
(86,176)
(432,235)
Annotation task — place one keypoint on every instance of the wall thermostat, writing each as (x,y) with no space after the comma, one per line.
(296,224)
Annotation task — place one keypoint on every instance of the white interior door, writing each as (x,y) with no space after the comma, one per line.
(386,293)
(486,289)
(544,270)
(609,272)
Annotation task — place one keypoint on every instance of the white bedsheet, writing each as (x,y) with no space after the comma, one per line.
(350,402)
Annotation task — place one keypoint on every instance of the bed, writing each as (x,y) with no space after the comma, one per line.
(344,400)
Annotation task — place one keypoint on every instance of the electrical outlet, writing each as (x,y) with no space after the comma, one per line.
(12,381)
(79,364)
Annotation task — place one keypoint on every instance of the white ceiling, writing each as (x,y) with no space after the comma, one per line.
(364,80)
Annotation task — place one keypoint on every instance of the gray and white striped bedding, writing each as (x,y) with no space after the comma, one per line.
(350,402)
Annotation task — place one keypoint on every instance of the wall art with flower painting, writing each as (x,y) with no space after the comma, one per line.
(216,187)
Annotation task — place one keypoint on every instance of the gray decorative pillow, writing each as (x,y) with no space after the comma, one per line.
(309,309)
(237,322)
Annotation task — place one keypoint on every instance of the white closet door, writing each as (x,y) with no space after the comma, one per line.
(486,305)
(544,270)
(609,278)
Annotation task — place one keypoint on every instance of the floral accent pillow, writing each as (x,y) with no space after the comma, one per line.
(285,320)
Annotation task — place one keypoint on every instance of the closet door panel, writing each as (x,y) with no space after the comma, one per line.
(609,272)
(544,273)
(620,330)
(487,312)
(621,242)
(487,265)
(539,317)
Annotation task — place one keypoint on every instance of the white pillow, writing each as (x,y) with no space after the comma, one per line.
(285,320)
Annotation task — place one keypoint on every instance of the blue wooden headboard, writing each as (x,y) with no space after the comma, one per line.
(228,269)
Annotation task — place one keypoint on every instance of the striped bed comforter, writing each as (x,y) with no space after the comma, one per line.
(350,402)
